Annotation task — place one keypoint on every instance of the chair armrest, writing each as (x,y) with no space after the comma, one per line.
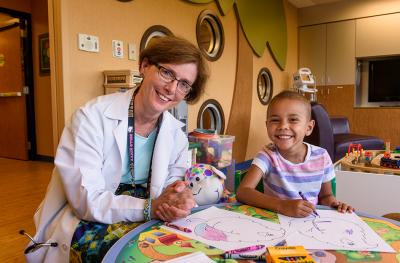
(340,125)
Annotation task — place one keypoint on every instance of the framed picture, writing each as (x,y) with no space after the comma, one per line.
(44,54)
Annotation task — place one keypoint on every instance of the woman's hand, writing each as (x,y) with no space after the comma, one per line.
(342,207)
(295,208)
(175,202)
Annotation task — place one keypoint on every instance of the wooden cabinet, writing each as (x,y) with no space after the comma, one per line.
(380,122)
(312,50)
(329,51)
(378,35)
(337,100)
(340,53)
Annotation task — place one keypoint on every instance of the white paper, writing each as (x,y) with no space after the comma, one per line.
(198,257)
(228,230)
(332,230)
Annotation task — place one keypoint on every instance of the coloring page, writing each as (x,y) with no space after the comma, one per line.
(228,230)
(332,230)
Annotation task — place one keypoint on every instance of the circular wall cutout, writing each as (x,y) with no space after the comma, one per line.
(210,35)
(264,86)
(211,116)
(151,32)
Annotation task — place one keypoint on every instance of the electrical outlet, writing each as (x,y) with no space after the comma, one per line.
(132,51)
(88,43)
(118,48)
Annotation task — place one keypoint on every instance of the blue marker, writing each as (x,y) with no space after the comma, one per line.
(305,199)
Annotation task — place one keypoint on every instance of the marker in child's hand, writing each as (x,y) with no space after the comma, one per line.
(305,199)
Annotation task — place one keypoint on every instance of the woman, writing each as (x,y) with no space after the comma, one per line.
(123,158)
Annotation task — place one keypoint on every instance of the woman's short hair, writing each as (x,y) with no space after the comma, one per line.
(175,50)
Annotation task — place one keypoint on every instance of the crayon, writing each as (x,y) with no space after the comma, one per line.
(244,256)
(245,249)
(181,228)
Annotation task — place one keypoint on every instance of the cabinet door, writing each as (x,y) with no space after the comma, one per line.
(337,100)
(323,96)
(312,50)
(378,35)
(340,53)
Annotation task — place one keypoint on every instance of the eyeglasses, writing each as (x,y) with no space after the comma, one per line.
(36,245)
(168,77)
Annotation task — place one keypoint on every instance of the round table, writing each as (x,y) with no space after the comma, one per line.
(136,245)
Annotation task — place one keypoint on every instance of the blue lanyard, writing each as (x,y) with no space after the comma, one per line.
(131,143)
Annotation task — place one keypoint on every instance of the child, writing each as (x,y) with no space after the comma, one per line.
(296,175)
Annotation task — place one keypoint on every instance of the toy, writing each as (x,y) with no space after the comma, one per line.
(387,147)
(387,161)
(206,182)
(214,149)
(397,149)
(368,158)
(356,150)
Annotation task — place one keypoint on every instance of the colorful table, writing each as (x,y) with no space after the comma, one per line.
(148,242)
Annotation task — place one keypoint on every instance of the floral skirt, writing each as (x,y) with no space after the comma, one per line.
(91,241)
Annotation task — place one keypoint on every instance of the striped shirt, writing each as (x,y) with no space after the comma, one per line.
(284,179)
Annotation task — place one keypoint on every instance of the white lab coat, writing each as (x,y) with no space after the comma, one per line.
(88,168)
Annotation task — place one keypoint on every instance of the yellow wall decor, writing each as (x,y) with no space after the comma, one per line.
(263,23)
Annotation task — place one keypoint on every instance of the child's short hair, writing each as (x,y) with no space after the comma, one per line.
(291,95)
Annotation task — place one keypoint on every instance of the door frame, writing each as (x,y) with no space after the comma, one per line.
(26,22)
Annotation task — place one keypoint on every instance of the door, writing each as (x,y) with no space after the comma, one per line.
(13,119)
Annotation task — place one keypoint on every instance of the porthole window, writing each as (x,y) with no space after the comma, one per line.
(210,35)
(153,32)
(264,86)
(211,116)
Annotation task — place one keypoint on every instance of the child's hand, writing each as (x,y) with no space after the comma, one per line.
(342,207)
(296,208)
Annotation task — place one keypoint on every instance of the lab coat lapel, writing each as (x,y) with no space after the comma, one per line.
(118,111)
(162,152)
